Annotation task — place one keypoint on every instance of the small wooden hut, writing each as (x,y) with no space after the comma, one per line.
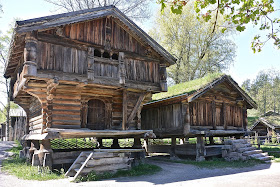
(17,124)
(83,74)
(267,125)
(213,106)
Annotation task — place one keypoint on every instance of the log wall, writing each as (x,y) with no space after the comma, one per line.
(35,115)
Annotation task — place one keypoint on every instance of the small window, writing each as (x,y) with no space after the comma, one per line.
(115,56)
(97,53)
(106,55)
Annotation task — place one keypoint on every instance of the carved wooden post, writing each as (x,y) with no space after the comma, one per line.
(186,119)
(30,55)
(163,76)
(51,86)
(121,68)
(108,113)
(45,154)
(90,61)
(108,32)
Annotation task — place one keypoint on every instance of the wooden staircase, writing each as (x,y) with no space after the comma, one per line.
(79,164)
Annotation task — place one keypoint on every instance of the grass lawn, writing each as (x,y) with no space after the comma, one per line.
(142,169)
(18,167)
(272,151)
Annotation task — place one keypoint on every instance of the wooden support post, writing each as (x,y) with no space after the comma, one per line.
(124,119)
(213,106)
(200,149)
(245,120)
(90,63)
(30,55)
(45,154)
(99,140)
(163,76)
(115,144)
(224,116)
(122,71)
(137,143)
(136,108)
(182,140)
(84,111)
(173,147)
(211,140)
(186,119)
(146,144)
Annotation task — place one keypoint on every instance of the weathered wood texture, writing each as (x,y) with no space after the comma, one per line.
(214,110)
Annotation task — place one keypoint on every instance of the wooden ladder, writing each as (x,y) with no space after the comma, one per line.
(77,167)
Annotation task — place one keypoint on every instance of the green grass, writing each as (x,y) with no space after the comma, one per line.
(142,169)
(218,163)
(271,150)
(18,167)
(252,120)
(187,87)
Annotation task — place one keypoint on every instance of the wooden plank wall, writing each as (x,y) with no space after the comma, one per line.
(35,116)
(164,118)
(94,32)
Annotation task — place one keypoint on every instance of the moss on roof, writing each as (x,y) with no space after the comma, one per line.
(273,120)
(187,87)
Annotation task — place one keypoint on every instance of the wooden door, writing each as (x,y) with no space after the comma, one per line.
(96,115)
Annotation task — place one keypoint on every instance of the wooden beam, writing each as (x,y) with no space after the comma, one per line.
(136,108)
(124,112)
(224,115)
(213,108)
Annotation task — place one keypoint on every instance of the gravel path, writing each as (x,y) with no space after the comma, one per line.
(172,174)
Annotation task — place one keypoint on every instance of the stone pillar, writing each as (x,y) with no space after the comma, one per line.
(30,55)
(99,140)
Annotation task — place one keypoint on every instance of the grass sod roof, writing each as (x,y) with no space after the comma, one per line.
(187,87)
(273,120)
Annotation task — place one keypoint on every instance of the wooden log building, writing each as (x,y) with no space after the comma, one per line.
(84,74)
(213,106)
(268,125)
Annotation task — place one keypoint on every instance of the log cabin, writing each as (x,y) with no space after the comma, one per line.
(213,106)
(267,125)
(84,74)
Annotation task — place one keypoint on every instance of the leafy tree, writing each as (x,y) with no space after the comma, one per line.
(265,89)
(135,9)
(198,50)
(237,13)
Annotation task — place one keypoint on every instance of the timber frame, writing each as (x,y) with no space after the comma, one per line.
(218,109)
(91,66)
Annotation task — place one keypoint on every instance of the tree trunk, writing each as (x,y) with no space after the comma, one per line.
(8,110)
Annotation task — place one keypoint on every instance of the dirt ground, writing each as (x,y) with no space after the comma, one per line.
(172,174)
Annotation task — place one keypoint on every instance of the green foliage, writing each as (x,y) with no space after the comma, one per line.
(18,167)
(199,50)
(265,90)
(272,151)
(237,13)
(187,87)
(252,120)
(142,169)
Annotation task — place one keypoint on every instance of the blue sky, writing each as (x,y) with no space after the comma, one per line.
(246,65)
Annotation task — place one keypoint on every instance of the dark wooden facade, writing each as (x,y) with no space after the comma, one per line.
(267,125)
(90,69)
(218,109)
